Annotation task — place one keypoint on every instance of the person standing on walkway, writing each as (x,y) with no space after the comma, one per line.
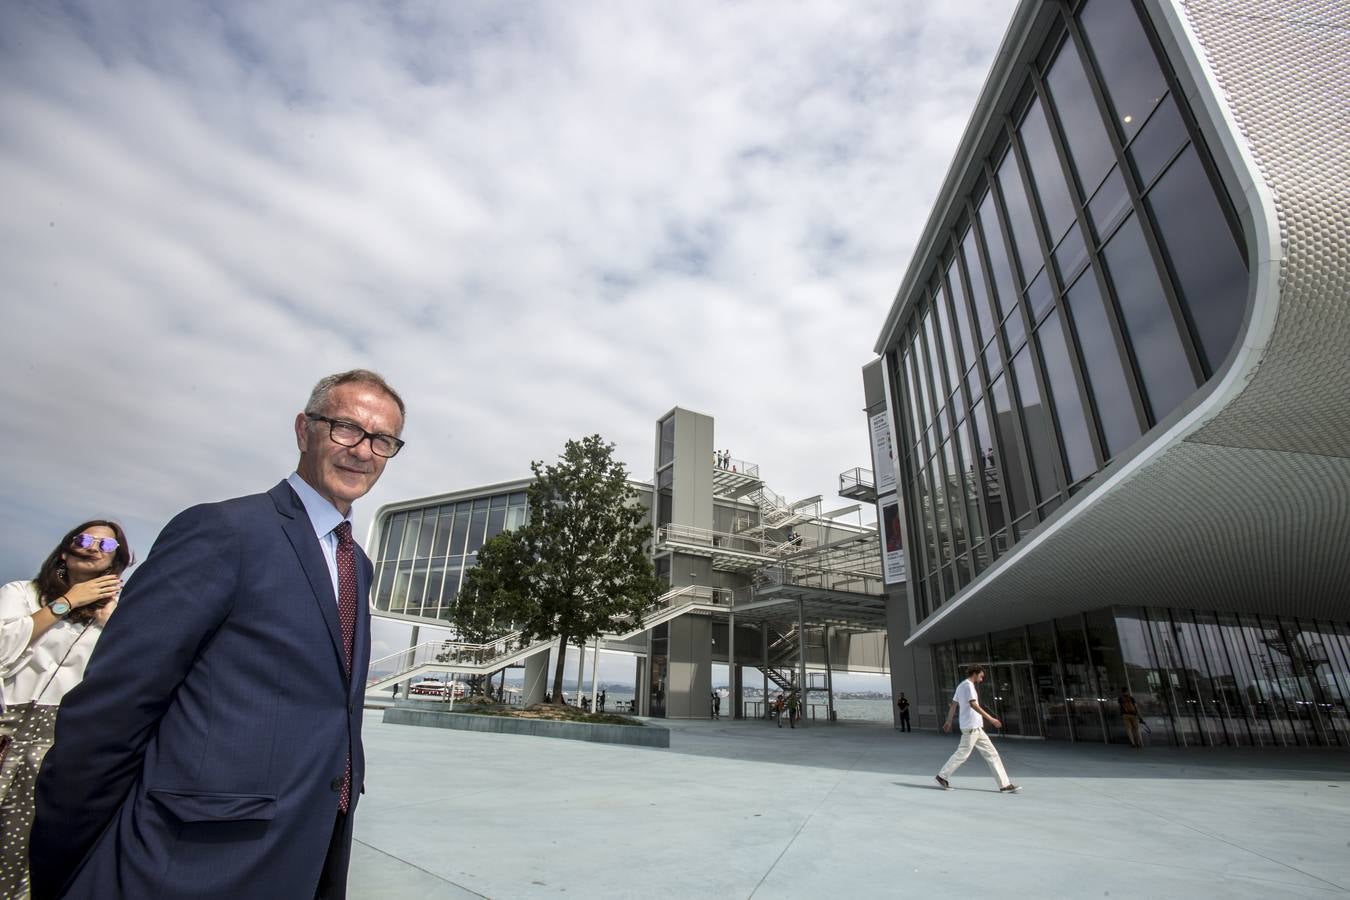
(903,703)
(1129,711)
(778,709)
(794,706)
(214,748)
(973,716)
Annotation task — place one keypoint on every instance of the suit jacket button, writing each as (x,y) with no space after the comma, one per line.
(336,784)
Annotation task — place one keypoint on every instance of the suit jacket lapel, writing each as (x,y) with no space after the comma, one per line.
(295,522)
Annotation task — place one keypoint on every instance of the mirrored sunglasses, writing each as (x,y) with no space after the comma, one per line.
(86,541)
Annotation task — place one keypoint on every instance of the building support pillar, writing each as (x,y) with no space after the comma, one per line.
(801,658)
(829,679)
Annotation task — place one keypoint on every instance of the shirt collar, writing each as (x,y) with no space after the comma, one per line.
(323,516)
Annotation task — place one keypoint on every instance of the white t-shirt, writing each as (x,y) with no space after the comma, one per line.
(965,692)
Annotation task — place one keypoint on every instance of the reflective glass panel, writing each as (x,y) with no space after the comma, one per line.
(1071,255)
(1039,428)
(1059,374)
(1079,117)
(1161,138)
(1046,174)
(1039,296)
(1148,681)
(1081,693)
(1211,276)
(1109,205)
(999,264)
(410,531)
(445,518)
(1129,70)
(962,313)
(979,287)
(995,502)
(947,335)
(1019,217)
(1149,322)
(1010,455)
(1103,369)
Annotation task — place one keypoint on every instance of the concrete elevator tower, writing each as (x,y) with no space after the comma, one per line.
(680,651)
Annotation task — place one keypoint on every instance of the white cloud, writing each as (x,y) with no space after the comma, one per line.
(539,221)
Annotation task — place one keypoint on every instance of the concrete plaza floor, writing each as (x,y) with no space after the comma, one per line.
(745,809)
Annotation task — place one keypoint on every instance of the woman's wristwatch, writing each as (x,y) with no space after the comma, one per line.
(59,607)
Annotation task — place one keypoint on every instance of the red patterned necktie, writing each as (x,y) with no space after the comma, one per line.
(346,567)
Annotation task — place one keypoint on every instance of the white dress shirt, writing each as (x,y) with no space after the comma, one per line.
(324,517)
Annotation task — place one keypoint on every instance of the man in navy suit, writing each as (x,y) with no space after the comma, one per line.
(214,747)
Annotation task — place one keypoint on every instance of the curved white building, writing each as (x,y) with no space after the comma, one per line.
(1118,376)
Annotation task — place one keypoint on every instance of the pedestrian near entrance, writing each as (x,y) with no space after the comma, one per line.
(903,703)
(1129,711)
(716,705)
(778,705)
(967,700)
(794,707)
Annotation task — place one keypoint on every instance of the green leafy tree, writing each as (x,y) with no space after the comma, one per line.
(578,568)
(491,601)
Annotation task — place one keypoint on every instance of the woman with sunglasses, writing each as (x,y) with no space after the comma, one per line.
(48,628)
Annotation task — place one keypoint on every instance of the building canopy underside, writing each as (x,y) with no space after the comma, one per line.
(1225,528)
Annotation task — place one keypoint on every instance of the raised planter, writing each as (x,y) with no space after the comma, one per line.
(635,735)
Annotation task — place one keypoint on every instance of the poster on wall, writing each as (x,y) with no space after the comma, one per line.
(892,545)
(883,454)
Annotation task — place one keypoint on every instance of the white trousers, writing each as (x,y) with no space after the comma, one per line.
(976,739)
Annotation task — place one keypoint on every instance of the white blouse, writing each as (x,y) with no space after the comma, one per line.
(54,663)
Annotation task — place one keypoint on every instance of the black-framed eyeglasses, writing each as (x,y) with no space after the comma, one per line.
(86,541)
(349,434)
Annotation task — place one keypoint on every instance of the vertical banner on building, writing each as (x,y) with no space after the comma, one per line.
(892,544)
(883,453)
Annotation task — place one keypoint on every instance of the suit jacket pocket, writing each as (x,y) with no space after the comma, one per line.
(192,806)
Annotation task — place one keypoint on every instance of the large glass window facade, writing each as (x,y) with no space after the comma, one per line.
(423,553)
(1200,678)
(1090,281)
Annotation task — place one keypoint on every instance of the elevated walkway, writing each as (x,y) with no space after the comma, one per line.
(463,657)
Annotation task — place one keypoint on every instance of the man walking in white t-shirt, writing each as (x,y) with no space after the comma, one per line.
(973,737)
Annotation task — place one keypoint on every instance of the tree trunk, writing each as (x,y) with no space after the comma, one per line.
(558,672)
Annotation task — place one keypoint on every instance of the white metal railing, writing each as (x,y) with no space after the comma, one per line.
(451,655)
(856,478)
(736,466)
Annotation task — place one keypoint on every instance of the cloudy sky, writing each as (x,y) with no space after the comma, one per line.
(538,220)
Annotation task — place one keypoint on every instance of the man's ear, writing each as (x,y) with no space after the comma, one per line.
(301,431)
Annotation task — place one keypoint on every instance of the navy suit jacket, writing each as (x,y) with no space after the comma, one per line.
(203,752)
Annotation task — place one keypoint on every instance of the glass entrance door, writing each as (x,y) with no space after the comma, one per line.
(1014,699)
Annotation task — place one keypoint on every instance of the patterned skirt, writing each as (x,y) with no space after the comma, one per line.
(30,729)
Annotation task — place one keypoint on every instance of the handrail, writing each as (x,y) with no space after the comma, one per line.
(856,477)
(736,466)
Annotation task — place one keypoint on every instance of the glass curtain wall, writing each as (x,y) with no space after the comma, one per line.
(423,553)
(1093,279)
(1200,678)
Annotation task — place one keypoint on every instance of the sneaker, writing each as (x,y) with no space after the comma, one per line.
(946,786)
(1009,789)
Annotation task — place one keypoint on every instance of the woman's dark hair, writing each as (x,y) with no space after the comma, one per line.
(52,581)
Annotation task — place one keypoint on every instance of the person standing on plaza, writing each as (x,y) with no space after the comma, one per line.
(967,701)
(778,706)
(213,749)
(1129,711)
(794,707)
(49,626)
(903,704)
